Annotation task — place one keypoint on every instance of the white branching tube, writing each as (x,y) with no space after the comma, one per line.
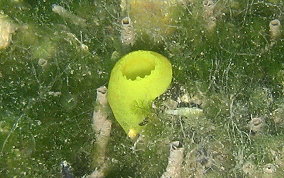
(102,128)
(68,15)
(175,160)
(275,29)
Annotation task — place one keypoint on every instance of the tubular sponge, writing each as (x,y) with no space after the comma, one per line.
(135,81)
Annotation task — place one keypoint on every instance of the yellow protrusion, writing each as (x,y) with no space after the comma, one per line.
(132,134)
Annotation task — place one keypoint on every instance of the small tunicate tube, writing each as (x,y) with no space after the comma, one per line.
(102,128)
(59,9)
(42,62)
(175,160)
(256,124)
(275,29)
(127,31)
(7,28)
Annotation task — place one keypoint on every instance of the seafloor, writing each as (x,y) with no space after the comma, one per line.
(227,89)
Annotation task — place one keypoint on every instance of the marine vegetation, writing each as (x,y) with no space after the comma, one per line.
(215,109)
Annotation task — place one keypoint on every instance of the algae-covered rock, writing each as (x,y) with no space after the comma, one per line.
(156,19)
(220,97)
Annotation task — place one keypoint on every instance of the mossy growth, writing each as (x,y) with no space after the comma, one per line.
(227,63)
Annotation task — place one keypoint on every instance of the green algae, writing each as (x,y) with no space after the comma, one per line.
(49,78)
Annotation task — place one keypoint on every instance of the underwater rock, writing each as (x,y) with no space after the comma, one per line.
(269,168)
(155,19)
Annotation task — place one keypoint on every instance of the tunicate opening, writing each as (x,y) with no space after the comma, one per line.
(125,21)
(275,22)
(42,62)
(208,3)
(138,67)
(269,168)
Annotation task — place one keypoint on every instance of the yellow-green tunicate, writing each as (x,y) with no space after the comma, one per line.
(135,81)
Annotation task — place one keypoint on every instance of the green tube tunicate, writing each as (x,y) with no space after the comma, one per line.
(136,80)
